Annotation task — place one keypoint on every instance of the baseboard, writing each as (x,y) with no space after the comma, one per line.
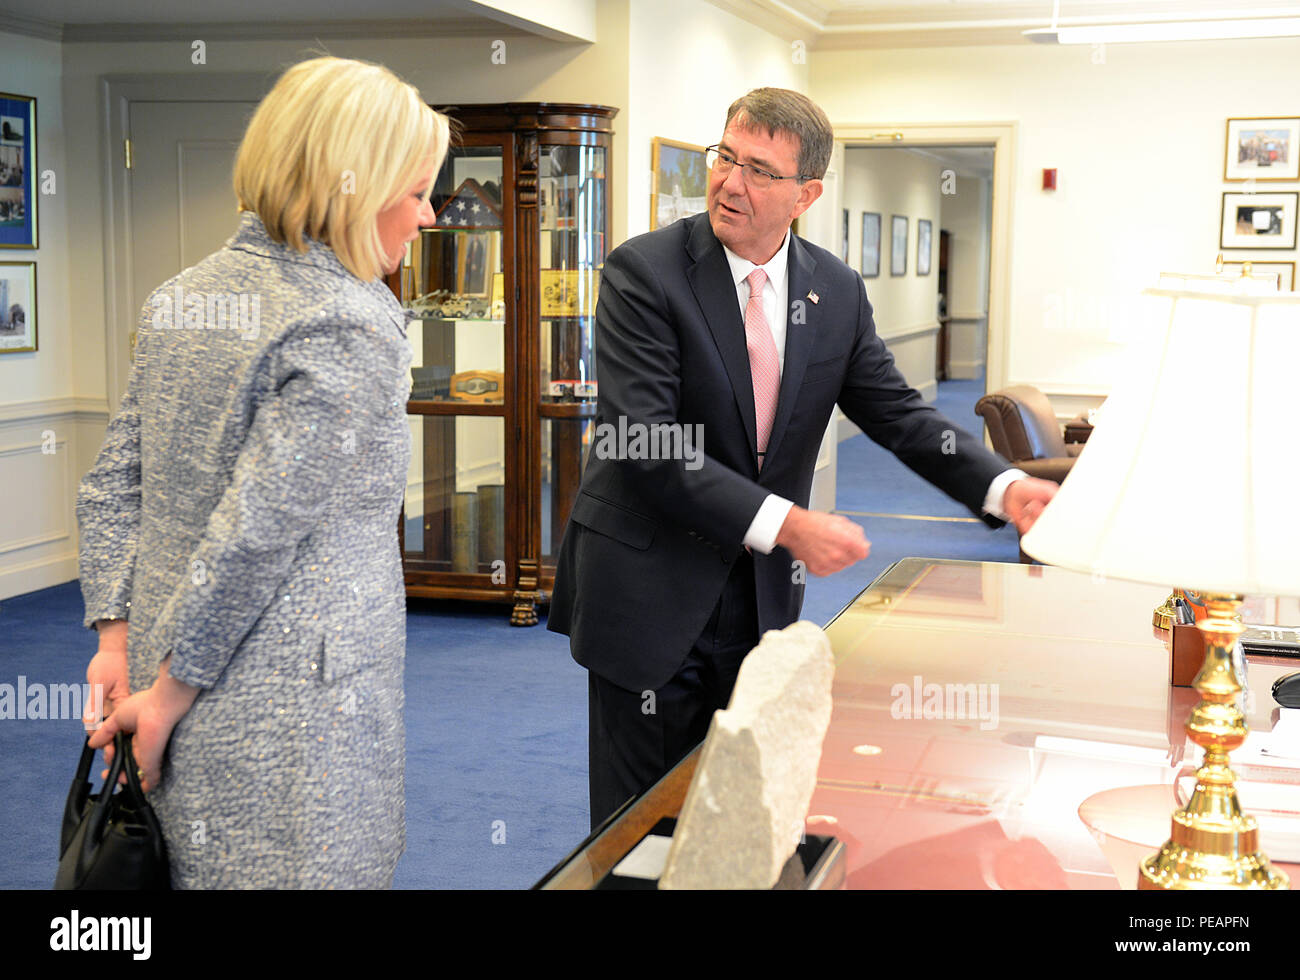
(929,391)
(37,574)
(965,370)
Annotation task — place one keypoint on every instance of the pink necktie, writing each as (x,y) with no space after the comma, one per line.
(763,364)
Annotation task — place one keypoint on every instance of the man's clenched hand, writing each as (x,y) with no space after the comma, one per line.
(825,543)
(1025,499)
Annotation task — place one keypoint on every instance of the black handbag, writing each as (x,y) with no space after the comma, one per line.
(110,840)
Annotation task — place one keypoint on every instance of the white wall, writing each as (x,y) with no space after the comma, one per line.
(30,66)
(1137,134)
(47,426)
(967,218)
(687,62)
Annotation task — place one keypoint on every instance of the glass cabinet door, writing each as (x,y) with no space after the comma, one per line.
(453,281)
(573,223)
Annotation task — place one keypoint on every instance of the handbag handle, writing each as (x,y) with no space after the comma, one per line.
(78,793)
(123,761)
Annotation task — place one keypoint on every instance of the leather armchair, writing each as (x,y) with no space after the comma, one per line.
(1024,430)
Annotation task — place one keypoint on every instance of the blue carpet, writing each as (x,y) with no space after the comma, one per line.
(496,770)
(496,767)
(870,479)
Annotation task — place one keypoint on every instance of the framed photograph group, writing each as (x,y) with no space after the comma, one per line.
(17,171)
(1261,150)
(870,244)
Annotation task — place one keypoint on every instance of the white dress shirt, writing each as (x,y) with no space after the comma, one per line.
(766,524)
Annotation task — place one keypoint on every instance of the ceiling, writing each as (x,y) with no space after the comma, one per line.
(820,24)
(151,20)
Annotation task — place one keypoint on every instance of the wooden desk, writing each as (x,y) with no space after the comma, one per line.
(1052,692)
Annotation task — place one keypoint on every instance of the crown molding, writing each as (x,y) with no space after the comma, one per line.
(30,27)
(323,30)
(933,24)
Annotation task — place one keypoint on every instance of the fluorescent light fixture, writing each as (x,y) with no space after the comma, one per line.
(1198,30)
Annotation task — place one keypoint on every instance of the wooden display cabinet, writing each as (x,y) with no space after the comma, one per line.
(503,293)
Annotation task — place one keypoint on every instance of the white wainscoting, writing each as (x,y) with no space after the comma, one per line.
(967,343)
(45,447)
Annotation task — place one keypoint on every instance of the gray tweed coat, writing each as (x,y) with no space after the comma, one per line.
(242,514)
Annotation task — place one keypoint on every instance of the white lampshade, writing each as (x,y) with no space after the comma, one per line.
(1192,476)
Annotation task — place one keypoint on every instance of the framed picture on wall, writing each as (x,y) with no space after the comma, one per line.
(17,171)
(1263,148)
(679,181)
(1285,271)
(1258,220)
(17,307)
(924,246)
(870,245)
(898,246)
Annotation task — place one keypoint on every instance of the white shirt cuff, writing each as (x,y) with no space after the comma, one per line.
(766,525)
(998,489)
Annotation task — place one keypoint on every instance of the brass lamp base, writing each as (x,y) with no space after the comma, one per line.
(1213,844)
(1197,857)
(1164,617)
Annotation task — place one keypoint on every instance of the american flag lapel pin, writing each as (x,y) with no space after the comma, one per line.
(814,297)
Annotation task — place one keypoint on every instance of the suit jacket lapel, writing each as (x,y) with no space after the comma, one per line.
(801,318)
(710,279)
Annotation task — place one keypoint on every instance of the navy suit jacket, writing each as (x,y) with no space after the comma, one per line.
(650,542)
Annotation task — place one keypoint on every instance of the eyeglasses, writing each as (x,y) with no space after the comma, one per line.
(722,162)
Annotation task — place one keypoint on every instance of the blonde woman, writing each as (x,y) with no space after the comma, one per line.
(239,552)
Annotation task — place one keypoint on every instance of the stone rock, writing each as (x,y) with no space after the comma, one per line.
(745,809)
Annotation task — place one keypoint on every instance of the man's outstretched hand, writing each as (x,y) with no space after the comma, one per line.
(825,543)
(1025,499)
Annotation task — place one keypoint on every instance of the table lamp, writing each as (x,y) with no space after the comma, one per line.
(1189,479)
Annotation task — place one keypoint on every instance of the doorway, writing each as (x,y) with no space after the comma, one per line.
(171,196)
(916,225)
(830,225)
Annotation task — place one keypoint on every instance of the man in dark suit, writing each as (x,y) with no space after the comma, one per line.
(675,562)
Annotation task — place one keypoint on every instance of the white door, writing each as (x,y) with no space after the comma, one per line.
(181,201)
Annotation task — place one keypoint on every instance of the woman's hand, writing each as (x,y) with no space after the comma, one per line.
(107,672)
(151,714)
